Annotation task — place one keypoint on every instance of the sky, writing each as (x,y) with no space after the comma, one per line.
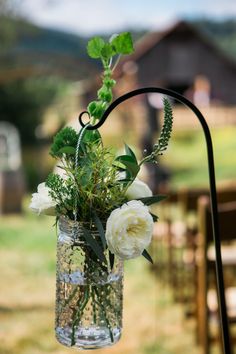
(88,17)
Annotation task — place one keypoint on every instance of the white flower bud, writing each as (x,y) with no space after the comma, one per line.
(138,189)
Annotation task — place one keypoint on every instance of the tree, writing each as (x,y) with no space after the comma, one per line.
(23,102)
(8,32)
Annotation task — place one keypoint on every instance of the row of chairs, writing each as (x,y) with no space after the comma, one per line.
(207,304)
(184,255)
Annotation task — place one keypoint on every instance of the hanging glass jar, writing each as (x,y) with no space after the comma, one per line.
(89,292)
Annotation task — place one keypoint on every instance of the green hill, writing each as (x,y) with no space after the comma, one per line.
(46,51)
(222,33)
(42,51)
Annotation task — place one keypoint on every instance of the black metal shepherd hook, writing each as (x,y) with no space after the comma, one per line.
(212,182)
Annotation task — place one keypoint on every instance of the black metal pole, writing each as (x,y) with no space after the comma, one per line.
(212,182)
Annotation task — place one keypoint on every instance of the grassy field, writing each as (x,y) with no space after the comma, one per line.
(28,257)
(187,159)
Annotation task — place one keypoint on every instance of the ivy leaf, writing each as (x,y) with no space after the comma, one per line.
(95,46)
(146,255)
(152,200)
(70,150)
(100,228)
(123,43)
(94,245)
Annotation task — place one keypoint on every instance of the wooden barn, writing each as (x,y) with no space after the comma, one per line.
(183,59)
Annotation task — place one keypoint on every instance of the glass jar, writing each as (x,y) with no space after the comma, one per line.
(89,292)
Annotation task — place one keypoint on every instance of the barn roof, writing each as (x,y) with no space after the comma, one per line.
(151,39)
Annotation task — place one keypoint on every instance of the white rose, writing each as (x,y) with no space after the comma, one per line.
(129,230)
(42,201)
(138,189)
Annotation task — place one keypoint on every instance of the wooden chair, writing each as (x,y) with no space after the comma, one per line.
(160,249)
(207,307)
(184,252)
(185,282)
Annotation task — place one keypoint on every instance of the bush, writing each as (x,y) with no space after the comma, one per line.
(23,102)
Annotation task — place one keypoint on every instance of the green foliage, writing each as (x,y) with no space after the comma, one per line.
(63,192)
(130,153)
(91,190)
(98,251)
(165,135)
(97,48)
(23,103)
(129,164)
(118,44)
(99,192)
(100,228)
(221,33)
(64,142)
(166,129)
(7,32)
(122,43)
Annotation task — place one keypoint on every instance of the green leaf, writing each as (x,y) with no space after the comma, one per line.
(119,165)
(107,51)
(123,43)
(96,108)
(92,107)
(91,136)
(111,259)
(100,228)
(94,245)
(70,150)
(95,46)
(129,163)
(130,153)
(146,255)
(152,200)
(105,94)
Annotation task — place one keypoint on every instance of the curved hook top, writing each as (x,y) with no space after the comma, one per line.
(144,90)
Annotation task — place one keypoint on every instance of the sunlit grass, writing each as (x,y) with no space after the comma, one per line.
(187,158)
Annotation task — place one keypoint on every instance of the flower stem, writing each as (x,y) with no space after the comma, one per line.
(100,304)
(79,313)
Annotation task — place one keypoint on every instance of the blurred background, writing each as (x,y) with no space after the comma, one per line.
(46,80)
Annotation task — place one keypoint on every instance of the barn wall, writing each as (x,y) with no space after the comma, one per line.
(180,56)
